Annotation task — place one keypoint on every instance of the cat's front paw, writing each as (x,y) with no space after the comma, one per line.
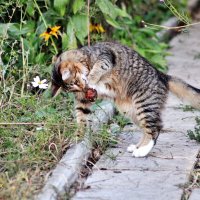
(92,81)
(143,150)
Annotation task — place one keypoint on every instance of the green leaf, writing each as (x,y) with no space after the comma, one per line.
(14,30)
(80,25)
(30,8)
(111,10)
(107,8)
(72,43)
(65,40)
(113,23)
(40,58)
(122,13)
(159,60)
(148,31)
(60,6)
(28,27)
(78,5)
(4,29)
(140,51)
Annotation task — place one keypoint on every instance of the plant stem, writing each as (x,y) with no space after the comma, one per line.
(42,16)
(54,46)
(29,123)
(170,6)
(4,37)
(88,25)
(173,27)
(43,19)
(23,58)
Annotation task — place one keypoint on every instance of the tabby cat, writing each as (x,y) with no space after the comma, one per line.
(119,73)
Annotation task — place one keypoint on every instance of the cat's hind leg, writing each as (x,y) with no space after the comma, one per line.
(150,122)
(145,146)
(146,142)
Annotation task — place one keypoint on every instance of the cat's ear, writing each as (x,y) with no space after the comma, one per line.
(66,74)
(54,89)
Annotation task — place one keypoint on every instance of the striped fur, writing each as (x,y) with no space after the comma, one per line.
(122,75)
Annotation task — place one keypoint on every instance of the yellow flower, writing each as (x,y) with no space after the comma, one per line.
(100,28)
(54,31)
(97,28)
(50,31)
(92,28)
(46,34)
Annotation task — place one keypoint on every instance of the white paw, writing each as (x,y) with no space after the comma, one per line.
(131,148)
(91,81)
(91,84)
(144,150)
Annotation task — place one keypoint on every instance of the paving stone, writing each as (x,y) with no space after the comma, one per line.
(129,185)
(195,194)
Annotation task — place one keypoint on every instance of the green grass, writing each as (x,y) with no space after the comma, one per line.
(29,152)
(186,108)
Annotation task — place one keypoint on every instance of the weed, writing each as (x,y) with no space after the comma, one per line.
(197,56)
(187,108)
(194,180)
(195,135)
(121,120)
(103,139)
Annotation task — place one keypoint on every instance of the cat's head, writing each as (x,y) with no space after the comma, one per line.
(71,76)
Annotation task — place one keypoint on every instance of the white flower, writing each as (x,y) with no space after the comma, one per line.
(39,128)
(39,83)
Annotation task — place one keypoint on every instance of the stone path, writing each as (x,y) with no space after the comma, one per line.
(161,175)
(195,194)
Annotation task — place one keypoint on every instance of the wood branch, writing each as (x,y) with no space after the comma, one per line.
(30,124)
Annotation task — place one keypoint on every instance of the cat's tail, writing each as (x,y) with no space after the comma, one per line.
(184,91)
